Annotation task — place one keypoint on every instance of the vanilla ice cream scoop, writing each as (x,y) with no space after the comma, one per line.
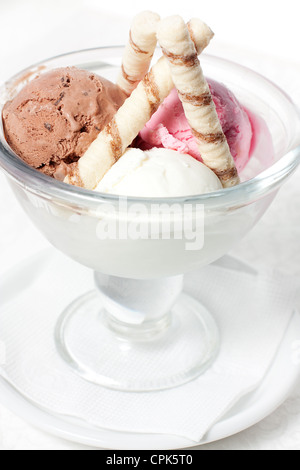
(158,173)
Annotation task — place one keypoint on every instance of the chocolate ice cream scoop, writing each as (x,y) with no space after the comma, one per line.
(55,118)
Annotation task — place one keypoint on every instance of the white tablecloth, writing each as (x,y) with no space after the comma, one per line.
(275,240)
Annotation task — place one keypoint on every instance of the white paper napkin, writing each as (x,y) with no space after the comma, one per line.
(252,311)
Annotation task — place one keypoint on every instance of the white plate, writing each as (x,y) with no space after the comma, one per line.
(273,391)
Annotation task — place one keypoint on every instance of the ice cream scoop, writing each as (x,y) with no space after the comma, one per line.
(170,129)
(55,118)
(158,173)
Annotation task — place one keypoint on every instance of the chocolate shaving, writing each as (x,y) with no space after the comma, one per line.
(65,82)
(48,126)
(62,94)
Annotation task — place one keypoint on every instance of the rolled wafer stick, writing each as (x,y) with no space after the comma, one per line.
(139,50)
(136,111)
(175,38)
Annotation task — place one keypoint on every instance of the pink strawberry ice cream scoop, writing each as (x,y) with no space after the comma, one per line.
(169,127)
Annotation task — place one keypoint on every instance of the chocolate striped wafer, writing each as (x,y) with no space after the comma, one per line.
(136,111)
(139,50)
(175,38)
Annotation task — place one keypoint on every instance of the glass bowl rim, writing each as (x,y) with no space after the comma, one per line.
(255,188)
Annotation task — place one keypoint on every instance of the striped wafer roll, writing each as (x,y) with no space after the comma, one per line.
(139,50)
(178,47)
(136,111)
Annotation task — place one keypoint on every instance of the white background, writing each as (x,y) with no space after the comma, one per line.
(34,29)
(263,34)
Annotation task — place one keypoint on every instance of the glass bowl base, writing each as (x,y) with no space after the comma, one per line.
(139,358)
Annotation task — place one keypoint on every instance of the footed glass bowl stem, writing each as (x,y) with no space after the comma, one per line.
(134,335)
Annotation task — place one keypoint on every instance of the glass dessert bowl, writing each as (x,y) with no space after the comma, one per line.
(137,331)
